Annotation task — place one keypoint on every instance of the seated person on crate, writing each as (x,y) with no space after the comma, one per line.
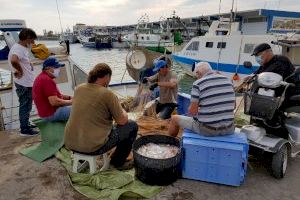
(51,105)
(90,128)
(212,105)
(168,84)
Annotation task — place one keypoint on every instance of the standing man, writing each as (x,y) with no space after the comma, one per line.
(90,128)
(168,85)
(212,105)
(50,103)
(22,69)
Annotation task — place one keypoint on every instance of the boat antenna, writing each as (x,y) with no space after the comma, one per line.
(231,16)
(59,17)
(220,9)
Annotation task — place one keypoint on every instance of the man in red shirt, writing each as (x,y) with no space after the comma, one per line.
(50,103)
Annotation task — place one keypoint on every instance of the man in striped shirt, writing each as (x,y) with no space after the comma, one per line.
(212,105)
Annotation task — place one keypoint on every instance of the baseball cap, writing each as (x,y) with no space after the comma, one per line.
(52,62)
(159,64)
(260,48)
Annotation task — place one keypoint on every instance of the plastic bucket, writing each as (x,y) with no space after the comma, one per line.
(157,171)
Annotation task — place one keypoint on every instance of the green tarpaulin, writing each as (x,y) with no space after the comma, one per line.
(107,185)
(52,136)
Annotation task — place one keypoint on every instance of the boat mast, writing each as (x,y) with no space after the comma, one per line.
(231,16)
(59,19)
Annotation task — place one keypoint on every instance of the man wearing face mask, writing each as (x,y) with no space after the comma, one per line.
(19,62)
(90,128)
(272,63)
(51,104)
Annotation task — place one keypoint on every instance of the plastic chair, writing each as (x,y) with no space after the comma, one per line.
(90,160)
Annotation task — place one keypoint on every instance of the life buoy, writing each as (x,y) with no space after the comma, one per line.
(235,77)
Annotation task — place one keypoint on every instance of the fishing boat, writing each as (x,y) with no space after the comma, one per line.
(227,48)
(119,42)
(160,37)
(97,40)
(68,35)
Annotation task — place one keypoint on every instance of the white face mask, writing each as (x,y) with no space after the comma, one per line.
(29,46)
(56,72)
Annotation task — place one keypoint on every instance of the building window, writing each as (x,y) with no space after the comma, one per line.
(148,38)
(221,45)
(248,48)
(194,46)
(209,44)
(255,19)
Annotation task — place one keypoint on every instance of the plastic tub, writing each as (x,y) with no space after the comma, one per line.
(157,171)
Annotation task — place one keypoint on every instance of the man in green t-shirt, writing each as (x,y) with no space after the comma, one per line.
(90,128)
(168,87)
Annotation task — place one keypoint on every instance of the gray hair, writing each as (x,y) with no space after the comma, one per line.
(203,67)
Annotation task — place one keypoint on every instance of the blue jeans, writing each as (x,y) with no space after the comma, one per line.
(61,114)
(25,105)
(122,137)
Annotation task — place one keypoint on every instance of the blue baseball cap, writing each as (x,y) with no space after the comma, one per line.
(159,64)
(52,62)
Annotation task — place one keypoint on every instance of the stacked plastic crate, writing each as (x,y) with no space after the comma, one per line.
(221,159)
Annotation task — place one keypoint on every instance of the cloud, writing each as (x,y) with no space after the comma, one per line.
(41,15)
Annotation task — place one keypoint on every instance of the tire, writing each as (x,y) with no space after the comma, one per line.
(279,162)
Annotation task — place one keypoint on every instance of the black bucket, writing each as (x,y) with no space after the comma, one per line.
(157,171)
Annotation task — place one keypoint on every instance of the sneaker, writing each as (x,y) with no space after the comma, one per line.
(29,132)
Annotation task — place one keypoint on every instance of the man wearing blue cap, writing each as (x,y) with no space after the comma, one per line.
(50,103)
(168,84)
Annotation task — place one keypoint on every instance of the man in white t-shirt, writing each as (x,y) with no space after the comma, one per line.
(22,69)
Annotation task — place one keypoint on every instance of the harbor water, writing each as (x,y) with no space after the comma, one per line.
(87,58)
(115,58)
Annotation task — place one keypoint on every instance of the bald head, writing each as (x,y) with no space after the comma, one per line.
(202,68)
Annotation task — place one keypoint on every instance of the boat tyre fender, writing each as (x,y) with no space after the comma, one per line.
(193,66)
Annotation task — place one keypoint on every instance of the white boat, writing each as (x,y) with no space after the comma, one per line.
(226,49)
(119,42)
(160,40)
(68,35)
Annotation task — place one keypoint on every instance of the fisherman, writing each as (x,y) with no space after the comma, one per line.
(212,105)
(19,62)
(51,104)
(90,128)
(168,85)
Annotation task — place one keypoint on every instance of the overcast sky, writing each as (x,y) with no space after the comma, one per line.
(42,14)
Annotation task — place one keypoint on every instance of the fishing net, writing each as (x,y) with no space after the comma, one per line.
(142,109)
(138,103)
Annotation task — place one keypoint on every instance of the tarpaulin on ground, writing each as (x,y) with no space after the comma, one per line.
(106,185)
(52,139)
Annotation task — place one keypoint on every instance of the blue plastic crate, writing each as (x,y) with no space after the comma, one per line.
(221,159)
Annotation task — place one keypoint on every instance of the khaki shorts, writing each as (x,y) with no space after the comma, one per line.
(201,129)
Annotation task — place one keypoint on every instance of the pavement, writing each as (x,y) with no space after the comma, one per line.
(24,179)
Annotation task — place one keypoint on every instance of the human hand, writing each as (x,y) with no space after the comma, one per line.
(145,80)
(152,87)
(248,78)
(18,74)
